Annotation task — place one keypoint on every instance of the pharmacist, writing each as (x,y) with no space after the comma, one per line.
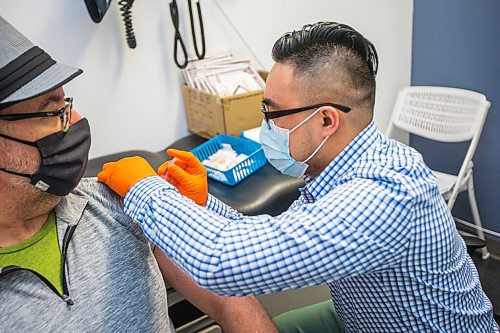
(370,222)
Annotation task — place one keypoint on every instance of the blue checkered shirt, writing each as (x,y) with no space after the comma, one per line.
(372,226)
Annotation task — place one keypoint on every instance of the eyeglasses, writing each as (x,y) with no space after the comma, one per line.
(281,113)
(63,113)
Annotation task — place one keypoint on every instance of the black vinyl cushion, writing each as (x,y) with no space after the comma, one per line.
(266,191)
(95,165)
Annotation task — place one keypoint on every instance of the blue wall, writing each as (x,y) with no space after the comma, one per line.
(456,43)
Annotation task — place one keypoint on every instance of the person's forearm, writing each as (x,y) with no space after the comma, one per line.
(263,254)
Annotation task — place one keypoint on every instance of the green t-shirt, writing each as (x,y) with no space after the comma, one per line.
(40,253)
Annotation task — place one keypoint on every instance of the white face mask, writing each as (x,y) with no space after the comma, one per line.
(276,144)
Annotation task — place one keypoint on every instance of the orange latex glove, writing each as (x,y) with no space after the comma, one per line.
(121,175)
(187,174)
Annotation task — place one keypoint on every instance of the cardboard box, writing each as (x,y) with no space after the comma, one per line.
(209,115)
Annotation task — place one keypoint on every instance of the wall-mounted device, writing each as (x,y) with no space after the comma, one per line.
(97,9)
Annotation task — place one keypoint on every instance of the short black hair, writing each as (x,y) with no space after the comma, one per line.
(331,42)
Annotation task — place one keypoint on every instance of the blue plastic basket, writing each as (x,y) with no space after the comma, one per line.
(255,160)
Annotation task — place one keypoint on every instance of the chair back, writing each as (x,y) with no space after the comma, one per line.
(442,114)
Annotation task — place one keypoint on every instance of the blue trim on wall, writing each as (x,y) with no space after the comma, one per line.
(456,43)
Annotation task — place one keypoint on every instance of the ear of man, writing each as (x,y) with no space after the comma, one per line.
(330,120)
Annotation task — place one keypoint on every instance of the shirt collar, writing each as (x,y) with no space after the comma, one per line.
(323,183)
(70,209)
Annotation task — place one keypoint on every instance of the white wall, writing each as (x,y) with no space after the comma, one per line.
(132,98)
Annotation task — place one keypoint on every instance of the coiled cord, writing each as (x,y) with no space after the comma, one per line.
(125,7)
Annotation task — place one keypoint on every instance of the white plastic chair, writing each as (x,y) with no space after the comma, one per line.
(447,115)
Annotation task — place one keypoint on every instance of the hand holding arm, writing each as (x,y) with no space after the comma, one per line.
(121,175)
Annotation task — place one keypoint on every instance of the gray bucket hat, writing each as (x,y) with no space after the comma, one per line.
(26,71)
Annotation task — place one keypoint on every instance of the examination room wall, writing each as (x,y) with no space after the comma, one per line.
(456,44)
(132,98)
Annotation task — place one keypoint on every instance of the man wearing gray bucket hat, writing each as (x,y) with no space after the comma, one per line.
(67,261)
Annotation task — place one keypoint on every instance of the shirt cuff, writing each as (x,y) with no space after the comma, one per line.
(212,202)
(141,192)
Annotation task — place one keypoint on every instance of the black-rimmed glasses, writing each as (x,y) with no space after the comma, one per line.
(63,113)
(281,113)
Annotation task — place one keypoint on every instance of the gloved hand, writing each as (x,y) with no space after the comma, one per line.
(187,174)
(121,175)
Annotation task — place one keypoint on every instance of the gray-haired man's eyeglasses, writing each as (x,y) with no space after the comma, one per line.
(63,113)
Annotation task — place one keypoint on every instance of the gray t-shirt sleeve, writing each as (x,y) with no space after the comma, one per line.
(109,204)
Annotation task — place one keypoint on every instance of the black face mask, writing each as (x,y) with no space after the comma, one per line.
(64,159)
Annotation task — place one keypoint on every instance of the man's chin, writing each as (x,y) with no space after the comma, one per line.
(42,202)
(34,198)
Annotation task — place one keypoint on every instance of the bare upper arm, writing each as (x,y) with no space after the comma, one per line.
(205,300)
(234,314)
